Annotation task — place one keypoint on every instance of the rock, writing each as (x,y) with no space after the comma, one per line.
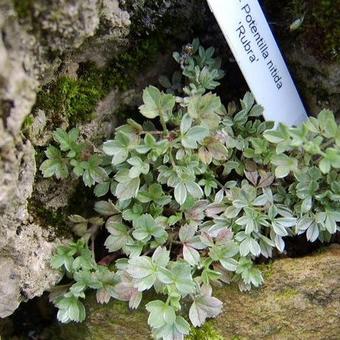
(115,24)
(40,41)
(299,300)
(318,80)
(312,50)
(24,246)
(24,264)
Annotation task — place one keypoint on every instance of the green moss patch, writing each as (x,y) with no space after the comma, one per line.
(76,99)
(287,293)
(206,332)
(47,217)
(23,8)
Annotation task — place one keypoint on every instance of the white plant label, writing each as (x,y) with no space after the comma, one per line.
(259,58)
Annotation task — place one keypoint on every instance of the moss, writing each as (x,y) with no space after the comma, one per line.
(320,29)
(121,71)
(79,97)
(105,321)
(74,99)
(266,269)
(80,202)
(46,217)
(206,332)
(287,293)
(323,248)
(23,8)
(28,122)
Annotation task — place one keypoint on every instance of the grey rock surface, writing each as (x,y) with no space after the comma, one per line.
(58,27)
(319,81)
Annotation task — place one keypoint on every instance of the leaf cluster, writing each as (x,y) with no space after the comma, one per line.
(74,156)
(193,197)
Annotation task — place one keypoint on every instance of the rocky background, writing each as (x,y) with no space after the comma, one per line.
(66,63)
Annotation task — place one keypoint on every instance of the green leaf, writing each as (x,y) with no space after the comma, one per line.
(249,273)
(181,277)
(138,167)
(325,166)
(312,232)
(142,269)
(185,123)
(127,190)
(282,171)
(182,325)
(204,155)
(256,111)
(327,123)
(148,270)
(279,229)
(284,165)
(232,212)
(101,189)
(90,170)
(105,208)
(204,109)
(68,141)
(332,156)
(56,165)
(119,152)
(62,260)
(332,217)
(70,309)
(248,101)
(156,103)
(161,314)
(194,189)
(146,227)
(180,193)
(65,255)
(224,253)
(304,223)
(193,136)
(191,255)
(218,151)
(280,134)
(161,257)
(249,245)
(119,235)
(204,306)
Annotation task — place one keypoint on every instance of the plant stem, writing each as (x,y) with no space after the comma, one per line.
(172,158)
(151,132)
(327,143)
(161,118)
